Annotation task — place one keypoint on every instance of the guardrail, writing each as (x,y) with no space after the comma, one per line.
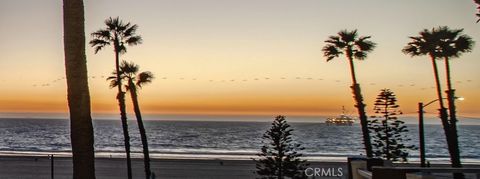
(364,173)
(379,172)
(362,168)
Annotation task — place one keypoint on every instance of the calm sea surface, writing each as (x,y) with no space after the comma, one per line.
(210,138)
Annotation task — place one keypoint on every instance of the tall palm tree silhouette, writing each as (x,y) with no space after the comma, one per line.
(452,45)
(135,80)
(119,35)
(81,129)
(353,47)
(432,43)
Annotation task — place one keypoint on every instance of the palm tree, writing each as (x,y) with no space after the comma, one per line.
(452,44)
(81,129)
(353,47)
(430,43)
(135,80)
(119,35)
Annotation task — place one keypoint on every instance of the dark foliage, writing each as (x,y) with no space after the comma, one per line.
(388,131)
(280,157)
(478,8)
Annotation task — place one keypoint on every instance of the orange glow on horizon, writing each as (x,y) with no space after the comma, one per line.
(210,57)
(237,105)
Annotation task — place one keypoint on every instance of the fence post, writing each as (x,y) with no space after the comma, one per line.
(421,135)
(52,167)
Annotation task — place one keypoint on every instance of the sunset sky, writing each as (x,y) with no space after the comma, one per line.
(237,57)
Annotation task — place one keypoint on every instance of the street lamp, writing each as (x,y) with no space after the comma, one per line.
(421,129)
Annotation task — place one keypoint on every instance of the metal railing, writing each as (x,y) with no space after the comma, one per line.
(401,172)
(365,173)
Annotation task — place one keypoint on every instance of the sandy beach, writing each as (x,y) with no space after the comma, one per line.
(38,167)
(31,167)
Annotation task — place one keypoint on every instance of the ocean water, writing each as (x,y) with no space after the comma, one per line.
(213,139)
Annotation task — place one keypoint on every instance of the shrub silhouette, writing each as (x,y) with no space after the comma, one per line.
(279,157)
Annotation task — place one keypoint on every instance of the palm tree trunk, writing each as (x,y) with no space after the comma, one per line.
(352,70)
(450,96)
(81,129)
(455,157)
(123,113)
(439,90)
(357,94)
(444,116)
(141,128)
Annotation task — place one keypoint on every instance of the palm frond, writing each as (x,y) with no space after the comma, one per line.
(453,45)
(101,42)
(134,40)
(113,77)
(131,30)
(348,36)
(335,40)
(365,45)
(98,44)
(115,24)
(422,44)
(98,48)
(113,80)
(129,68)
(331,51)
(144,78)
(360,55)
(411,49)
(122,27)
(464,43)
(478,8)
(112,23)
(102,34)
